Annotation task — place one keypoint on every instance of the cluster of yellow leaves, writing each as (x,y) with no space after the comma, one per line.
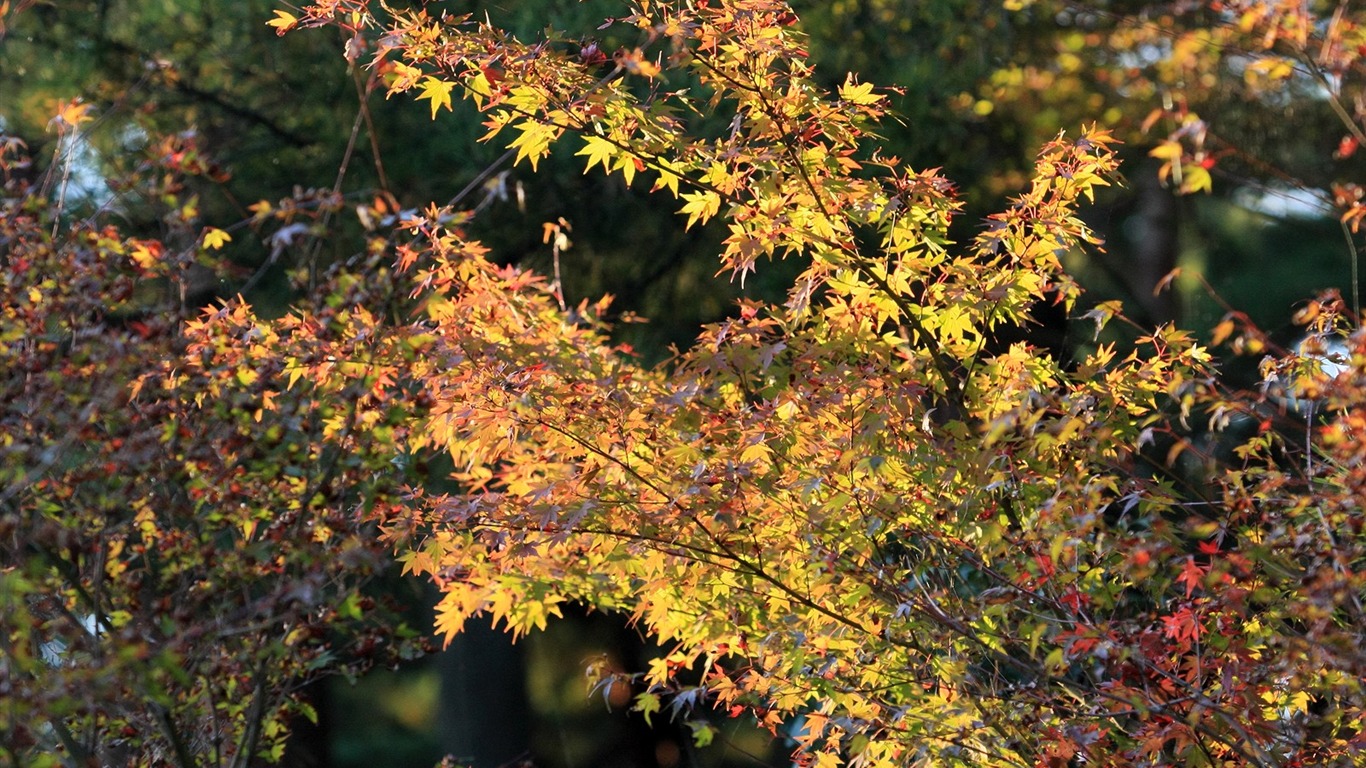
(1182,66)
(850,508)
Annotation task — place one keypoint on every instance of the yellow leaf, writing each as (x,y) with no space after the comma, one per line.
(827,760)
(438,92)
(214,238)
(628,165)
(1268,70)
(1194,178)
(146,254)
(861,94)
(700,206)
(1167,150)
(480,89)
(597,150)
(72,114)
(402,78)
(668,176)
(260,210)
(635,63)
(283,22)
(1222,332)
(533,143)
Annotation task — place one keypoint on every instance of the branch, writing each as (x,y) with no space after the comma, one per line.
(184,759)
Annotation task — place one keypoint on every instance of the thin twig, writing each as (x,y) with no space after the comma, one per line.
(1356,279)
(66,147)
(362,97)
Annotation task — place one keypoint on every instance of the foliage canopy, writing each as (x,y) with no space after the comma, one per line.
(862,514)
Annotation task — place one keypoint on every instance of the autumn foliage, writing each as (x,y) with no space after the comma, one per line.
(867,515)
(184,538)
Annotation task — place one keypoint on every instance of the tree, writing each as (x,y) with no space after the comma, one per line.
(186,542)
(1252,101)
(856,514)
(861,515)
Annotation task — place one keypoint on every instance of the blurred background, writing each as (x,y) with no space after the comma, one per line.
(271,118)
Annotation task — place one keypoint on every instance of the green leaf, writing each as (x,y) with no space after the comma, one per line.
(647,704)
(702,733)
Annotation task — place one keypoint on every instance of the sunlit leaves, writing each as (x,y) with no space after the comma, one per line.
(1168,151)
(860,508)
(700,207)
(533,141)
(283,22)
(860,94)
(437,92)
(72,114)
(597,150)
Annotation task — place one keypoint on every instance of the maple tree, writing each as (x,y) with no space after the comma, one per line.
(854,514)
(184,541)
(858,514)
(1211,84)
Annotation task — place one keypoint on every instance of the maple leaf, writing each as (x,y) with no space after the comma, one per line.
(668,175)
(283,22)
(634,61)
(1183,626)
(72,114)
(814,474)
(401,77)
(700,206)
(260,210)
(597,150)
(146,254)
(438,92)
(646,704)
(629,165)
(533,141)
(214,238)
(1170,151)
(858,93)
(1196,178)
(1192,575)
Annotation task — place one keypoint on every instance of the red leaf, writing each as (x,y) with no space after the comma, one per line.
(1073,599)
(1192,575)
(1182,626)
(1046,568)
